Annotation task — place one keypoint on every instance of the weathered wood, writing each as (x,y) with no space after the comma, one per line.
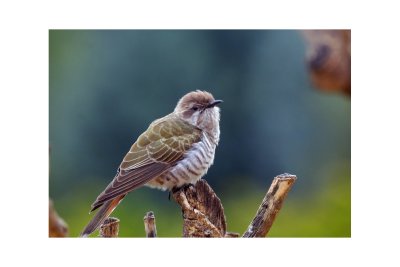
(202,211)
(110,227)
(150,224)
(270,206)
(57,226)
(329,59)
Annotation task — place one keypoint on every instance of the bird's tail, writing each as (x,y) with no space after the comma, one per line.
(105,211)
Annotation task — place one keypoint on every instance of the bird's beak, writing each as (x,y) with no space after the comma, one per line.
(214,103)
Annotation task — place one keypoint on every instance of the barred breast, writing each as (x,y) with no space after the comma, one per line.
(190,169)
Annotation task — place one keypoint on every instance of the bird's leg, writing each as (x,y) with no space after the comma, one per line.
(177,189)
(173,191)
(187,186)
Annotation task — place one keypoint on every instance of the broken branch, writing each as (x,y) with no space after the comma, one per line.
(110,227)
(270,206)
(150,224)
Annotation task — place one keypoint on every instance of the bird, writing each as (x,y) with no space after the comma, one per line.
(176,150)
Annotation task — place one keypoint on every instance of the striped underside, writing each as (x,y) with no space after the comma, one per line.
(190,169)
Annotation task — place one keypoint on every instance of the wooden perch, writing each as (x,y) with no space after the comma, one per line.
(109,228)
(202,211)
(150,224)
(203,214)
(270,206)
(57,226)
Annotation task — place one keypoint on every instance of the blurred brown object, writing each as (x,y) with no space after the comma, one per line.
(329,59)
(57,226)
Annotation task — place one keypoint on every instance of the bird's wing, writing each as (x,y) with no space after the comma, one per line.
(160,147)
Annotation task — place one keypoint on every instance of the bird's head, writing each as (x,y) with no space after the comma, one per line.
(199,108)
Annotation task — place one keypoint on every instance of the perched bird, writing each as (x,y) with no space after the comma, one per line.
(174,151)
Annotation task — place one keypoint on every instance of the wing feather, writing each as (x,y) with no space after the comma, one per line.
(156,150)
(131,181)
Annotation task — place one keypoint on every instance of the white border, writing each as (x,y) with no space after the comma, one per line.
(24,113)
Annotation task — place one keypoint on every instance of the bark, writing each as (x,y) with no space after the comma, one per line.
(202,211)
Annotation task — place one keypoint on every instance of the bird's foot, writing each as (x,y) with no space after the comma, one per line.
(176,189)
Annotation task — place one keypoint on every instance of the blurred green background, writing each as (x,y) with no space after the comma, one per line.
(106,87)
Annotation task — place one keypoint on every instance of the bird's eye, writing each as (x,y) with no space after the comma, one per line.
(195,108)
